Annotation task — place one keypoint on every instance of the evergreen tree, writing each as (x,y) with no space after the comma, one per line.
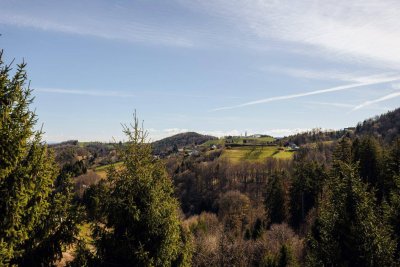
(348,230)
(394,158)
(286,257)
(368,154)
(307,184)
(141,226)
(393,186)
(343,151)
(35,218)
(258,229)
(276,199)
(394,213)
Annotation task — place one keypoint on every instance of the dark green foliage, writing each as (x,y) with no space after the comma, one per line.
(37,217)
(385,126)
(83,257)
(93,200)
(393,185)
(368,154)
(348,230)
(276,202)
(394,158)
(59,226)
(306,189)
(141,226)
(74,169)
(394,213)
(258,229)
(313,136)
(343,151)
(286,258)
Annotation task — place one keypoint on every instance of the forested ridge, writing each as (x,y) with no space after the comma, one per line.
(336,202)
(178,141)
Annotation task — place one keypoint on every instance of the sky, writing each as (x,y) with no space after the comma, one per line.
(221,67)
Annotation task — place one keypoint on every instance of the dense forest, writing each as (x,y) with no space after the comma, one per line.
(336,202)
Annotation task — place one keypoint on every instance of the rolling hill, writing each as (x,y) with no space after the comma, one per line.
(179,141)
(385,126)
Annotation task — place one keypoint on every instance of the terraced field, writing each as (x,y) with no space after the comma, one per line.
(255,154)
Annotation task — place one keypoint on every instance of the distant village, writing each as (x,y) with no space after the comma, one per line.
(229,142)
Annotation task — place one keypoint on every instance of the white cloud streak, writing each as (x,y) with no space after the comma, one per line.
(333,104)
(327,74)
(83,92)
(355,31)
(381,99)
(317,92)
(286,132)
(113,24)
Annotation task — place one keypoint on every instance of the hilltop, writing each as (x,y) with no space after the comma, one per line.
(385,126)
(178,141)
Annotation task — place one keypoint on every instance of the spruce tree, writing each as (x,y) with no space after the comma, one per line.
(393,186)
(368,154)
(306,189)
(141,224)
(276,203)
(35,218)
(348,230)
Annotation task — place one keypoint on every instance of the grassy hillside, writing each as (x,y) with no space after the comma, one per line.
(102,170)
(255,154)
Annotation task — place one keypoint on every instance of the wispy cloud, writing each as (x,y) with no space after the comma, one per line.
(326,74)
(83,92)
(373,81)
(286,132)
(333,104)
(89,20)
(355,31)
(380,99)
(343,105)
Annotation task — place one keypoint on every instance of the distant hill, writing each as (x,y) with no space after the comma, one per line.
(385,126)
(92,153)
(313,136)
(179,141)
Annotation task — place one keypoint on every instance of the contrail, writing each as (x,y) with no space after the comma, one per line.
(370,102)
(317,92)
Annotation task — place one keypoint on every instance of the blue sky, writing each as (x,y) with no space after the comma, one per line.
(216,67)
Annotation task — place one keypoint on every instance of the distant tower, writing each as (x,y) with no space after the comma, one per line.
(245,134)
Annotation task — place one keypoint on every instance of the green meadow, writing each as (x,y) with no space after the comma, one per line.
(255,154)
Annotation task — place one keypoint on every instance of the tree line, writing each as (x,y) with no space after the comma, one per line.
(334,204)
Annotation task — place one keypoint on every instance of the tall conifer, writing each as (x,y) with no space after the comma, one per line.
(35,216)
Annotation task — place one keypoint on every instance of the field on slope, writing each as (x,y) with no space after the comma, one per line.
(102,171)
(255,154)
(240,140)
